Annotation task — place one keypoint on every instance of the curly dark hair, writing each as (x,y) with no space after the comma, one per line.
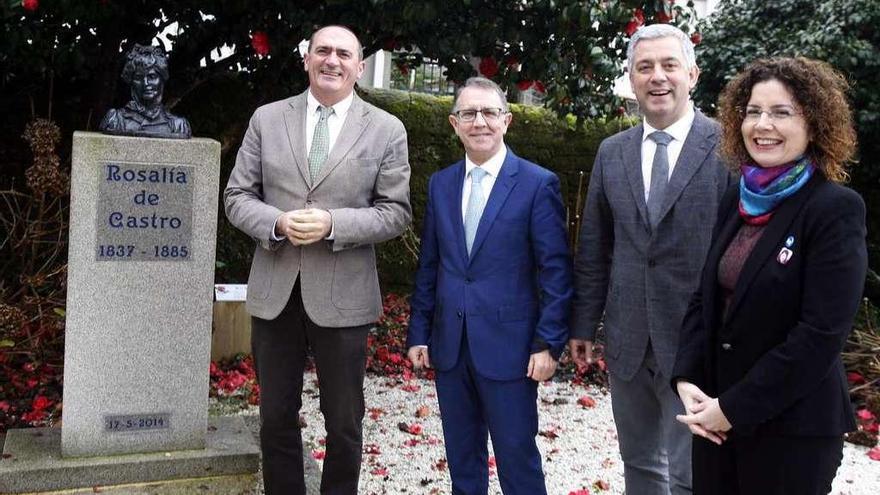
(820,93)
(141,58)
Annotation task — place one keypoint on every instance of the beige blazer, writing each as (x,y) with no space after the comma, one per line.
(364,184)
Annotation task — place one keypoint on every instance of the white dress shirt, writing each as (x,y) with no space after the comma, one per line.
(334,122)
(492,166)
(679,131)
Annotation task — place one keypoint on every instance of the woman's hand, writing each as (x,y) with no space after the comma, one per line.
(701,418)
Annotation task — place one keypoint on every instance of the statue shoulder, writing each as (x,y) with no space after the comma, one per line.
(113,120)
(179,125)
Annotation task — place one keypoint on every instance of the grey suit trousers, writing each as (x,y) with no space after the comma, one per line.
(644,410)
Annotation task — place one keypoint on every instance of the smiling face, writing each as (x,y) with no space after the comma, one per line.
(772,142)
(147,86)
(333,63)
(661,80)
(481,138)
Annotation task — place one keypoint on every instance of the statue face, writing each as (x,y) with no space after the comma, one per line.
(148,85)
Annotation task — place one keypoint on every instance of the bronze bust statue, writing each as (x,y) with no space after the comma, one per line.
(146,71)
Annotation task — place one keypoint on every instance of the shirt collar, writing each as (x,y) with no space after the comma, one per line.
(339,109)
(678,130)
(492,166)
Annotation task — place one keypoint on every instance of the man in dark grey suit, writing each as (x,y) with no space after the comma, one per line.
(651,205)
(320,178)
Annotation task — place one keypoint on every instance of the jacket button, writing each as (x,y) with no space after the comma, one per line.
(726,346)
(468,280)
(459,314)
(652,263)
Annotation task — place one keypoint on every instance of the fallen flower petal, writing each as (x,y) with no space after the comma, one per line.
(587,402)
(601,485)
(865,415)
(411,387)
(874,453)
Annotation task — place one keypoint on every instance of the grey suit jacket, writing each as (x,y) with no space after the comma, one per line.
(643,280)
(364,184)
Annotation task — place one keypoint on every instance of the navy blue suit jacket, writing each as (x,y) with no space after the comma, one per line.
(513,291)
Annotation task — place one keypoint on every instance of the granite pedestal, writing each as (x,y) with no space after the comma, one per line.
(143,222)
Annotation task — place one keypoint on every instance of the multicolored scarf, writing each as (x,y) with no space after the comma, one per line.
(761,189)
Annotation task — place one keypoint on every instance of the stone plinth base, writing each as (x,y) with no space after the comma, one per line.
(32,462)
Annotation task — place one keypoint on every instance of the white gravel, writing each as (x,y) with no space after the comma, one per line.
(579,444)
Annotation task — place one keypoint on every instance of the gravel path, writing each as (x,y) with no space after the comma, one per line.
(578,442)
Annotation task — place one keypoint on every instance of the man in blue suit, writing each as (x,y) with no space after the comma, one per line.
(492,296)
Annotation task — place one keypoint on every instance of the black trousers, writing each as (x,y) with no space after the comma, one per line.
(279,348)
(766,465)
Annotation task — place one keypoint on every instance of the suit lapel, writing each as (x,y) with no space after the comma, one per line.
(728,230)
(771,240)
(696,148)
(453,191)
(631,156)
(503,185)
(295,120)
(356,121)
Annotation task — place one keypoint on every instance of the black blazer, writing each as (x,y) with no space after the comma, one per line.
(774,359)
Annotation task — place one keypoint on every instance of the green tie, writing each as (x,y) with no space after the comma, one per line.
(320,143)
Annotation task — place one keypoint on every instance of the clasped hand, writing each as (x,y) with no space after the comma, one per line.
(703,415)
(302,227)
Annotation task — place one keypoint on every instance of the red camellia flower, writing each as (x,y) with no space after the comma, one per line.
(865,415)
(524,85)
(697,38)
(30,5)
(488,67)
(41,403)
(855,378)
(630,29)
(260,43)
(539,87)
(639,16)
(663,17)
(638,19)
(318,454)
(415,429)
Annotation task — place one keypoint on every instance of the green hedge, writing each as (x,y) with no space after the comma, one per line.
(535,134)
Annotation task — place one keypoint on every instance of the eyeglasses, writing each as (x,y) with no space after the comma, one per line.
(489,114)
(775,114)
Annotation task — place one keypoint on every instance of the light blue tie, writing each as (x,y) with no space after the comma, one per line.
(475,205)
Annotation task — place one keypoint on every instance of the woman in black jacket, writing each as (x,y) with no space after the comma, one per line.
(758,368)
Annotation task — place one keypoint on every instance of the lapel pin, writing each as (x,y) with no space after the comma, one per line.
(784,255)
(789,241)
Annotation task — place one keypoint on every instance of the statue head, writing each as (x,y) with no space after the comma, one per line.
(146,71)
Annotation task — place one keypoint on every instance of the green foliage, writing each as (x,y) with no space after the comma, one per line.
(841,32)
(536,134)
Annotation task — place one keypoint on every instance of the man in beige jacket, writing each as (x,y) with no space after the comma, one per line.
(319,179)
